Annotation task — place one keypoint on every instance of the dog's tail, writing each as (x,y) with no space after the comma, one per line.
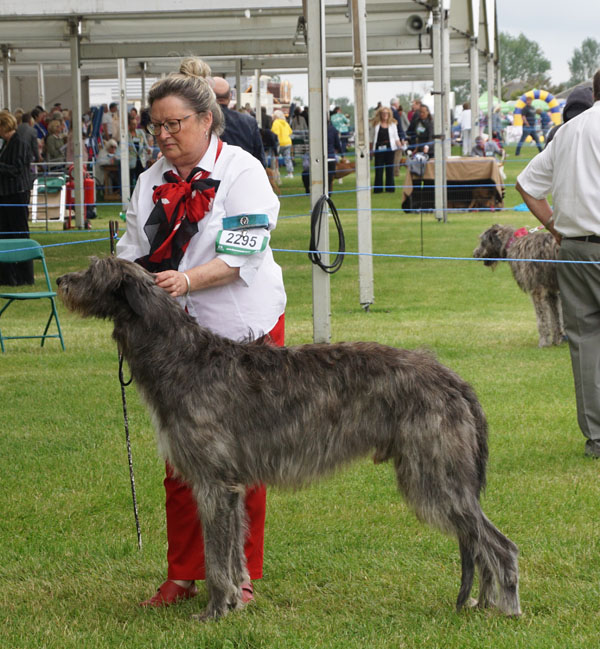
(482,433)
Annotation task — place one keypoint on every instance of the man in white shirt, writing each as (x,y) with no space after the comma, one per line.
(569,169)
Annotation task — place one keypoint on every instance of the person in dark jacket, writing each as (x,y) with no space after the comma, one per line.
(579,100)
(269,139)
(240,129)
(413,116)
(423,126)
(334,146)
(15,188)
(528,126)
(27,132)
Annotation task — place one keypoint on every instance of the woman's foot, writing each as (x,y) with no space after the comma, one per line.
(171,592)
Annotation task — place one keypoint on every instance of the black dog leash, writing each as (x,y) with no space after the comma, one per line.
(114,228)
(315,227)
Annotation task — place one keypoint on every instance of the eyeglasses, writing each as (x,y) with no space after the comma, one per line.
(171,125)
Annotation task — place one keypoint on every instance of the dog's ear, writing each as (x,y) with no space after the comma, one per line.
(497,242)
(135,295)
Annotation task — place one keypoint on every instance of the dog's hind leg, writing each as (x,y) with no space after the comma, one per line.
(558,327)
(539,297)
(496,556)
(468,572)
(237,559)
(487,590)
(220,509)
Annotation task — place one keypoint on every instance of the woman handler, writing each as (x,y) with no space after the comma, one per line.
(200,219)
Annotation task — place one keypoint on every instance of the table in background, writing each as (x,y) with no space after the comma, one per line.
(472,183)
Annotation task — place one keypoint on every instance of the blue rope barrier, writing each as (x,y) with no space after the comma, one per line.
(354,254)
(57,245)
(435,258)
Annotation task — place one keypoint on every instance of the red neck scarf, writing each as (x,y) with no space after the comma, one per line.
(179,205)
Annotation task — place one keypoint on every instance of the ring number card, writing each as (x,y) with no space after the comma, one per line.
(244,234)
(241,242)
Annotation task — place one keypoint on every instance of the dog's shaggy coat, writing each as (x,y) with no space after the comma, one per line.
(537,279)
(231,414)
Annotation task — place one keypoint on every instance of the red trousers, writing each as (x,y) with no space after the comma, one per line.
(185,551)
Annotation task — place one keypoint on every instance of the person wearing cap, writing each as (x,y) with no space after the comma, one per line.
(580,99)
(569,169)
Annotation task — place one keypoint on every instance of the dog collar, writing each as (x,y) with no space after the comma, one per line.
(517,234)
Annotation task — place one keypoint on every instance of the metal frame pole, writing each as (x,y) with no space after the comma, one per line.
(41,86)
(257,104)
(315,20)
(7,99)
(490,89)
(446,76)
(361,148)
(238,83)
(143,66)
(474,64)
(124,134)
(78,171)
(438,113)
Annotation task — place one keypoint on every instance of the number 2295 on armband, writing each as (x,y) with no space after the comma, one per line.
(241,242)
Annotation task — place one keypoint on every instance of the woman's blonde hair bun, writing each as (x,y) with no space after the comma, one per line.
(193,67)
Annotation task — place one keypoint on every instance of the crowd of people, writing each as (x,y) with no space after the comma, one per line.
(396,137)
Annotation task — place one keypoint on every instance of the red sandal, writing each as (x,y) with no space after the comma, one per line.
(171,593)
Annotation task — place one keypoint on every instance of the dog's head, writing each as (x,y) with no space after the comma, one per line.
(108,288)
(492,244)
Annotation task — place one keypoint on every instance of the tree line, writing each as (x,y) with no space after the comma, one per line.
(524,66)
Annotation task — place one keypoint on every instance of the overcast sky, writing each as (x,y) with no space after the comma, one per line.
(558,26)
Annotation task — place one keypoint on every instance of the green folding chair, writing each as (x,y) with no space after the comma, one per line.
(15,250)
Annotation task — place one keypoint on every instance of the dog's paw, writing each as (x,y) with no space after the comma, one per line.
(208,615)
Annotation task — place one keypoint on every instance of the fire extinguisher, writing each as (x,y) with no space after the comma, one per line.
(89,196)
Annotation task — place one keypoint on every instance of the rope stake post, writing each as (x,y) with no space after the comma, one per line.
(114,229)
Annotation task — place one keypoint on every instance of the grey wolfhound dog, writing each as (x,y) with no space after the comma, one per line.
(229,415)
(537,279)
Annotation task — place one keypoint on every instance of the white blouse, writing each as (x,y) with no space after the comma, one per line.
(252,304)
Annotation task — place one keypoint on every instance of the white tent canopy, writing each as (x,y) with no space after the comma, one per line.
(261,35)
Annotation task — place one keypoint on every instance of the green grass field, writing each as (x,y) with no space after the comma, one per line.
(347,565)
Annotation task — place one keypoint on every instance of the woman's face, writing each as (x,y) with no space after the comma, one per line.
(190,143)
(424,112)
(386,115)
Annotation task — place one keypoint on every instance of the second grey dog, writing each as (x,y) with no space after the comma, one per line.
(537,279)
(229,415)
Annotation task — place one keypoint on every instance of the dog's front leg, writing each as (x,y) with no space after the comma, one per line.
(219,509)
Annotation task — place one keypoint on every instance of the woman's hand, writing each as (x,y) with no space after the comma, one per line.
(172,281)
(214,273)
